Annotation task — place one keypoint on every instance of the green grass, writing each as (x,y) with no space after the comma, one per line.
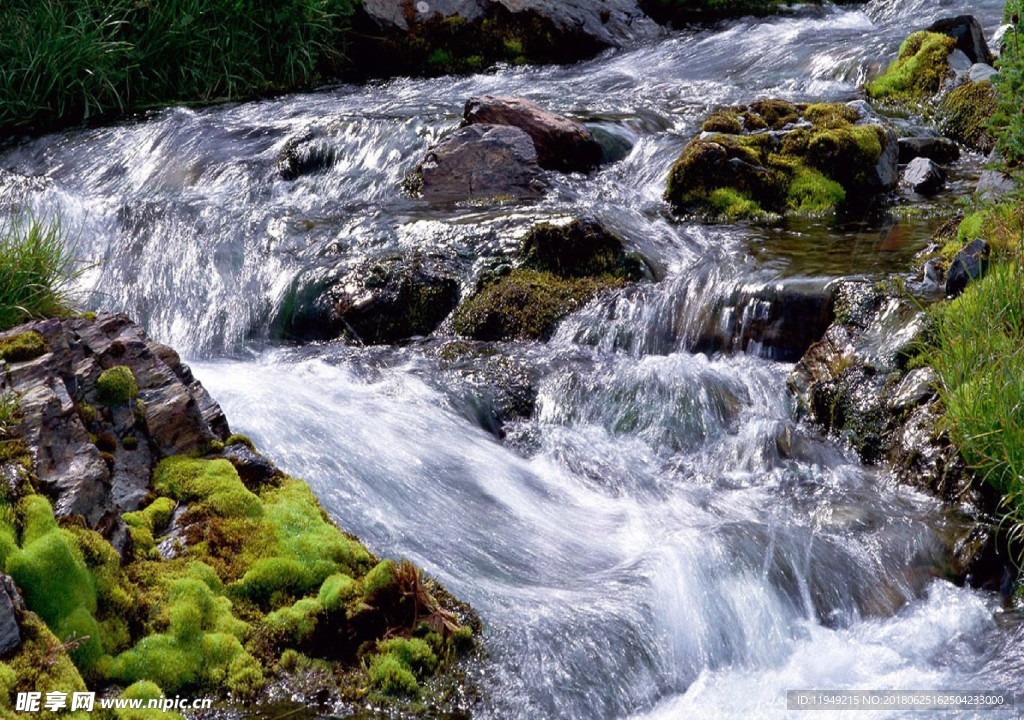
(72,60)
(37,271)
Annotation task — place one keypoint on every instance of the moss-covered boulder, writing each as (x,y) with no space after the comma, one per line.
(775,157)
(919,70)
(561,269)
(201,583)
(965,112)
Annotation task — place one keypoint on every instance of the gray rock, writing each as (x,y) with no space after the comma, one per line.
(481,162)
(561,143)
(993,183)
(916,388)
(253,468)
(981,72)
(959,63)
(941,150)
(969,36)
(11,608)
(887,170)
(307,153)
(62,419)
(970,264)
(924,176)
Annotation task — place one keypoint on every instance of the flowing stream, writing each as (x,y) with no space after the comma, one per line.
(660,538)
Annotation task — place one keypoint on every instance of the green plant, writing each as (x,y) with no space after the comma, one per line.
(116,386)
(37,270)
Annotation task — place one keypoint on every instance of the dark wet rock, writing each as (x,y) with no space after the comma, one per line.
(561,268)
(64,420)
(971,263)
(253,467)
(969,36)
(562,144)
(775,157)
(11,608)
(393,37)
(616,141)
(481,162)
(778,321)
(305,154)
(915,389)
(924,176)
(941,150)
(488,387)
(382,301)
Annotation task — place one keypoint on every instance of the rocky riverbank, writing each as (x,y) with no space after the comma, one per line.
(147,547)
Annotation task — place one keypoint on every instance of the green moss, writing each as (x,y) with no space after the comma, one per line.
(723,121)
(414,653)
(830,115)
(41,665)
(812,193)
(144,690)
(336,591)
(23,346)
(296,623)
(239,439)
(392,677)
(966,112)
(776,113)
(116,386)
(381,577)
(918,71)
(733,205)
(213,482)
(580,249)
(8,681)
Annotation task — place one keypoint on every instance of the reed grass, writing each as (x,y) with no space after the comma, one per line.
(38,269)
(65,61)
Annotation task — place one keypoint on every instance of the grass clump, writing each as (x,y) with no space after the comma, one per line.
(918,71)
(37,270)
(72,60)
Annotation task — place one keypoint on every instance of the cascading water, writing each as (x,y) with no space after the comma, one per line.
(661,538)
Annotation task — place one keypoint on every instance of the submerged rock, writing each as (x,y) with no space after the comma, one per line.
(561,144)
(383,301)
(481,162)
(775,157)
(970,264)
(924,176)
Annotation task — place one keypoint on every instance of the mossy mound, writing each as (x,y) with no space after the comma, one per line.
(918,71)
(786,158)
(965,115)
(563,267)
(116,386)
(22,346)
(256,570)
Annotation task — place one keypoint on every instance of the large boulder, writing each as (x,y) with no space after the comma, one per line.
(941,150)
(101,403)
(443,36)
(968,34)
(480,162)
(774,157)
(382,301)
(561,144)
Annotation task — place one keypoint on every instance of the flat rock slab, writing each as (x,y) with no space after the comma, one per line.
(482,162)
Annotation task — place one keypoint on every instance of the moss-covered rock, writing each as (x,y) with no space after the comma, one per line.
(22,346)
(814,159)
(918,71)
(965,114)
(562,267)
